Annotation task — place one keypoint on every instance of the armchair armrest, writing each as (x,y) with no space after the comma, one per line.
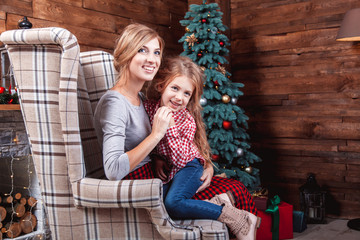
(99,193)
(146,194)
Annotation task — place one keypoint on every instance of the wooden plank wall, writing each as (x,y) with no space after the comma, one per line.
(302,91)
(96,23)
(301,86)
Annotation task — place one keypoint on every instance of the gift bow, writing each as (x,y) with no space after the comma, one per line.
(273,209)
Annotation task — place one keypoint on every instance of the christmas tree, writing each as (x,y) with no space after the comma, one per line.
(226,122)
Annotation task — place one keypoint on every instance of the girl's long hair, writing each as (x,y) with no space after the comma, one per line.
(184,66)
(132,38)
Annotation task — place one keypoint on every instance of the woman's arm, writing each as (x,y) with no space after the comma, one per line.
(160,125)
(112,119)
(206,176)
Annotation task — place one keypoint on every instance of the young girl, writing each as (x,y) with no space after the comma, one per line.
(179,86)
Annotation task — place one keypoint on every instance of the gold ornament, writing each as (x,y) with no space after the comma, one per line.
(202,68)
(225,98)
(187,29)
(221,69)
(191,39)
(248,169)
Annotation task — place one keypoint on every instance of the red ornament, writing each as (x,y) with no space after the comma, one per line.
(221,43)
(203,20)
(215,157)
(226,125)
(216,83)
(199,55)
(2,89)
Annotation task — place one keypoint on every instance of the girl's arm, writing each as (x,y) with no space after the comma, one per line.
(180,140)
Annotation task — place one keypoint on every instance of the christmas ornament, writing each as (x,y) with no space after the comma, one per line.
(203,20)
(221,69)
(239,152)
(199,55)
(227,125)
(2,89)
(214,30)
(203,68)
(215,157)
(234,100)
(203,101)
(187,29)
(225,98)
(191,39)
(221,43)
(216,83)
(248,169)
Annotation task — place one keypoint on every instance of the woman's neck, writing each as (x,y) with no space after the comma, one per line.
(130,91)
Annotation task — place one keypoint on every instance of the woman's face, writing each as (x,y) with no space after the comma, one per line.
(145,64)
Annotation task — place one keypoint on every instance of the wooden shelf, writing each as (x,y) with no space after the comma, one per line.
(9,107)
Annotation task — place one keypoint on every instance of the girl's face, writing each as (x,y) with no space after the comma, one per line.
(145,64)
(177,94)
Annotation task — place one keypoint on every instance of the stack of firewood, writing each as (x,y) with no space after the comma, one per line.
(16,215)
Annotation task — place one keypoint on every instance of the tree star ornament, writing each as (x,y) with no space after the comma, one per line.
(191,39)
(221,69)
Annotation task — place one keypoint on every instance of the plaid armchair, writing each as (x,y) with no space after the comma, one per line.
(59,88)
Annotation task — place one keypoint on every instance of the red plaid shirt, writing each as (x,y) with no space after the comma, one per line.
(178,143)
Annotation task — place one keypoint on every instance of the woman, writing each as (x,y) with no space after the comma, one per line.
(123,127)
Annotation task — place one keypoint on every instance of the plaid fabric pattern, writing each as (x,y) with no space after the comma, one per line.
(220,185)
(177,145)
(55,101)
(143,172)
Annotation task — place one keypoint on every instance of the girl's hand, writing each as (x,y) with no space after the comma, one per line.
(206,177)
(161,121)
(161,168)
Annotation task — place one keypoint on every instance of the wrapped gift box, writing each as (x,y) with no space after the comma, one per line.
(285,223)
(260,203)
(299,221)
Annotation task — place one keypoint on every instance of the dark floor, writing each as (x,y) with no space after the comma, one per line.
(333,229)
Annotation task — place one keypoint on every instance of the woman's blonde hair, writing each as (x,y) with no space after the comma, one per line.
(184,66)
(132,38)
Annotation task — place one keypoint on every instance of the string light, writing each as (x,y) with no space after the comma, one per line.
(40,233)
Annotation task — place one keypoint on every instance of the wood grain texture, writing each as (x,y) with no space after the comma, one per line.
(302,95)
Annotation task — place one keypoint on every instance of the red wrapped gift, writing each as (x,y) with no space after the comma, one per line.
(285,223)
(260,203)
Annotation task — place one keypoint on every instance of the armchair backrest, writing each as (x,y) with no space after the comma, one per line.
(96,75)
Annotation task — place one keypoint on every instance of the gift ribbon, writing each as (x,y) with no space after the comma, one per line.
(273,209)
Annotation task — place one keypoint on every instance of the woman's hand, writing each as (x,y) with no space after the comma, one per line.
(206,176)
(161,121)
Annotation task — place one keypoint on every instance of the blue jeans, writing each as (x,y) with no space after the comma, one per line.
(179,191)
